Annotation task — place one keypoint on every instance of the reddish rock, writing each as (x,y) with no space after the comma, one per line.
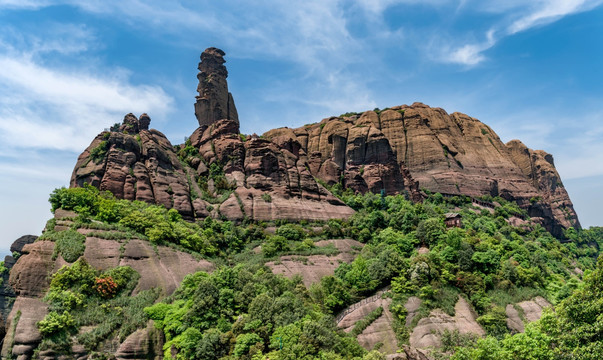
(272,179)
(396,151)
(159,267)
(136,166)
(30,275)
(144,343)
(407,147)
(314,267)
(23,338)
(214,102)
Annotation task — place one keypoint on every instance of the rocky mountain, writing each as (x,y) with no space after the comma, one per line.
(217,173)
(403,149)
(284,176)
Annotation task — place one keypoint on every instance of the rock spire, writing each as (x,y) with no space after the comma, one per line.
(214,102)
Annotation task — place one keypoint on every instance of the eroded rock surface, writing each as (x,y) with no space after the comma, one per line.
(412,307)
(395,151)
(402,148)
(214,102)
(142,344)
(270,181)
(428,332)
(314,267)
(530,310)
(135,165)
(264,180)
(380,331)
(30,277)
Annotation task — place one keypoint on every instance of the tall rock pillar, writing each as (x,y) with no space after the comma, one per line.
(214,102)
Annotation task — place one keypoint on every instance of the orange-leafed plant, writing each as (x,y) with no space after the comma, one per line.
(105,286)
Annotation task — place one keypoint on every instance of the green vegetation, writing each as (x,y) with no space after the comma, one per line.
(572,331)
(243,311)
(81,296)
(152,222)
(361,325)
(69,244)
(98,153)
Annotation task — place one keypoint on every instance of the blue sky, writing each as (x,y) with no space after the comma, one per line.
(68,69)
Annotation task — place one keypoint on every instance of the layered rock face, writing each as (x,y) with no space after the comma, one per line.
(353,150)
(219,173)
(135,164)
(398,150)
(268,181)
(214,102)
(449,153)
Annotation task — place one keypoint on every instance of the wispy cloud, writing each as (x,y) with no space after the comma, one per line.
(515,17)
(54,108)
(63,106)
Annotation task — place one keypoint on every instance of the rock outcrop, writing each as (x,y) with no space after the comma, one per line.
(217,173)
(7,293)
(394,151)
(214,102)
(268,181)
(314,267)
(379,331)
(159,267)
(530,310)
(427,333)
(407,147)
(135,164)
(353,151)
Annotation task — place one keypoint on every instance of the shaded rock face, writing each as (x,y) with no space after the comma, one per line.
(135,164)
(405,147)
(351,150)
(555,207)
(214,102)
(270,180)
(7,293)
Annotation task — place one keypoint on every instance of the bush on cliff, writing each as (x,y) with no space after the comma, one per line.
(78,296)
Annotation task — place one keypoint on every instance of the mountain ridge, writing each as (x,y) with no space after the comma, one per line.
(405,149)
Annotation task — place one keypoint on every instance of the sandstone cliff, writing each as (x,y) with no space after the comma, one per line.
(135,164)
(217,173)
(221,173)
(406,147)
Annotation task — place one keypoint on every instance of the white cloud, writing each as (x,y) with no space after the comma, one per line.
(550,11)
(62,106)
(516,16)
(23,4)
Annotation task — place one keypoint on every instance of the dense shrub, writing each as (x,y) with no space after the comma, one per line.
(69,244)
